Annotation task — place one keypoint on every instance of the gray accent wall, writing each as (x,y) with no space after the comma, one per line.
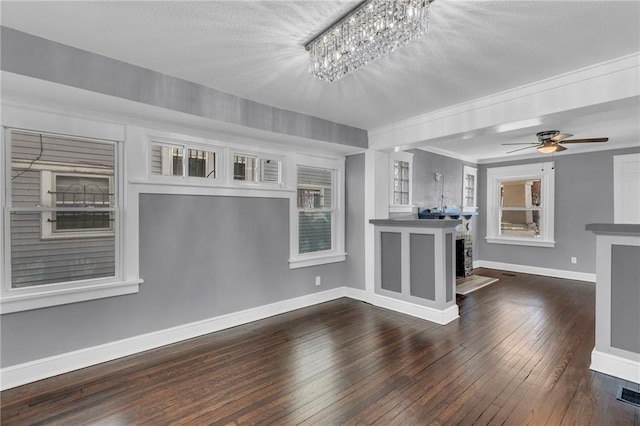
(422,269)
(200,257)
(583,194)
(391,261)
(625,297)
(355,220)
(36,57)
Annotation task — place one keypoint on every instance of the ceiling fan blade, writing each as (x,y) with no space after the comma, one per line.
(560,136)
(560,148)
(586,140)
(520,149)
(521,143)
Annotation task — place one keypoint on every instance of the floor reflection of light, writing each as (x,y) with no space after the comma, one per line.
(305,365)
(117,420)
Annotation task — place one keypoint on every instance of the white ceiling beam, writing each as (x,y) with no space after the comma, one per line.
(598,84)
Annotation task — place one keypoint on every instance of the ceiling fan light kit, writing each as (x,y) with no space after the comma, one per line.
(372,30)
(550,148)
(549,141)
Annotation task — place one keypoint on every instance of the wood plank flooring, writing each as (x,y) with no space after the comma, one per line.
(519,354)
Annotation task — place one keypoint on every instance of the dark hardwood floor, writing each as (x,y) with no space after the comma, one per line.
(519,354)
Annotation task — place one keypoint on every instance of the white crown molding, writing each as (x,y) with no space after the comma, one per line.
(535,270)
(597,84)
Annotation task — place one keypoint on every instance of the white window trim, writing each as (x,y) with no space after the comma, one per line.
(468,170)
(47,179)
(337,253)
(408,158)
(256,182)
(545,172)
(186,145)
(126,279)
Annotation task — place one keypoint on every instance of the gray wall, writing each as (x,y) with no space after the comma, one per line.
(200,257)
(355,220)
(583,194)
(625,297)
(426,190)
(32,56)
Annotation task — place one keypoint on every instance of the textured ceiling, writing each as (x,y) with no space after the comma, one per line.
(255,49)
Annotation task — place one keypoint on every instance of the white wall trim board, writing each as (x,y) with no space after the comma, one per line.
(438,316)
(32,371)
(356,294)
(612,365)
(536,270)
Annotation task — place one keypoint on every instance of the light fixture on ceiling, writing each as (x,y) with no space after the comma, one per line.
(549,147)
(372,30)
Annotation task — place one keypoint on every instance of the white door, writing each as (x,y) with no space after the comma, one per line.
(626,188)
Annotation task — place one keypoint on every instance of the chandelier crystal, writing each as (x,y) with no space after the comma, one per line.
(370,31)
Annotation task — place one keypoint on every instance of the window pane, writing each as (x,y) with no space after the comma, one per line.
(243,168)
(269,171)
(314,188)
(202,163)
(36,261)
(521,193)
(32,154)
(166,160)
(405,170)
(314,231)
(520,223)
(68,243)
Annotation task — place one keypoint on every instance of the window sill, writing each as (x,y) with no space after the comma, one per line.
(520,242)
(303,262)
(43,299)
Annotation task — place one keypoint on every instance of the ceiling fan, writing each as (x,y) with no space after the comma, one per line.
(550,141)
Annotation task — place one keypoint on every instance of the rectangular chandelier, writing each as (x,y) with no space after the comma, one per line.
(372,30)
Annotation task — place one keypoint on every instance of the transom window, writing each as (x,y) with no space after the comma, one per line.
(257,168)
(170,160)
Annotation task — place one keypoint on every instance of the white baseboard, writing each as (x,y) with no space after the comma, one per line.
(441,317)
(52,366)
(623,368)
(355,293)
(32,371)
(535,270)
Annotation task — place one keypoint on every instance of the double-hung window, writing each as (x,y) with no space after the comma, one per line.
(61,220)
(315,209)
(318,230)
(520,201)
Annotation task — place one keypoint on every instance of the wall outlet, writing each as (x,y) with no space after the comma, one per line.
(574,259)
(318,280)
